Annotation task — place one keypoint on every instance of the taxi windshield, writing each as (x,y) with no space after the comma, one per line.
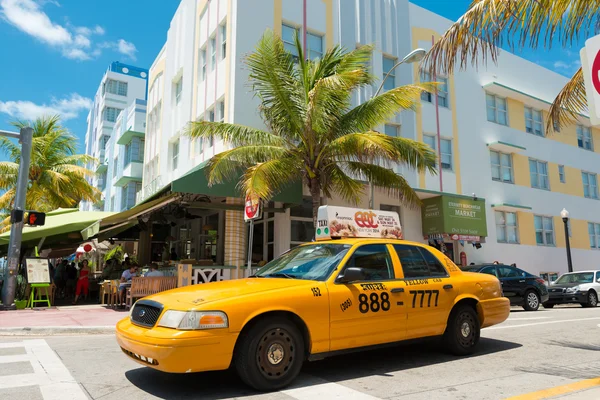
(581,277)
(312,262)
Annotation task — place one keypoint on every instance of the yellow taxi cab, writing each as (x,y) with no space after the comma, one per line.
(357,286)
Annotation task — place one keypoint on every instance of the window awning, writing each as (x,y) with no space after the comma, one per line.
(510,207)
(62,226)
(454,215)
(506,147)
(196,182)
(130,216)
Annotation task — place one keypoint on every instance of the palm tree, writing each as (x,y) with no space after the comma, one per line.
(313,133)
(57,176)
(488,24)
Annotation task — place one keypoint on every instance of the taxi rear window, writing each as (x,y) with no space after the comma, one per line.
(417,262)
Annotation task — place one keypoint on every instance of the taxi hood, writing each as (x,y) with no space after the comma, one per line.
(197,295)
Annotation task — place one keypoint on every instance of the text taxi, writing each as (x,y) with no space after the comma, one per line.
(365,288)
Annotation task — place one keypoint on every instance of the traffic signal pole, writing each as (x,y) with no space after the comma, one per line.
(16,230)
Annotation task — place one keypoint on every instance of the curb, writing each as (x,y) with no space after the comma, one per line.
(57,330)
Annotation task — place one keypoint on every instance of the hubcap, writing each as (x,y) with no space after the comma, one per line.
(532,300)
(593,299)
(275,353)
(465,329)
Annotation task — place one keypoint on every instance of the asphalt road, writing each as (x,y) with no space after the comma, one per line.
(529,352)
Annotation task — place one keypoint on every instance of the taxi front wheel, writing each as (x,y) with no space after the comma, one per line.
(270,355)
(462,332)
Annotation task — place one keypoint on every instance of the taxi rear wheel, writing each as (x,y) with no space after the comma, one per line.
(270,354)
(462,332)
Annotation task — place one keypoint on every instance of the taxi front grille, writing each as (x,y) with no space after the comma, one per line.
(146,313)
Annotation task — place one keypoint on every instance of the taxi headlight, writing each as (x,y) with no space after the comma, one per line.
(193,320)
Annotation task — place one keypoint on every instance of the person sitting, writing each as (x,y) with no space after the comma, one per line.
(126,278)
(153,271)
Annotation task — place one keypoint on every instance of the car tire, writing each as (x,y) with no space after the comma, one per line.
(548,305)
(532,301)
(462,332)
(592,300)
(270,355)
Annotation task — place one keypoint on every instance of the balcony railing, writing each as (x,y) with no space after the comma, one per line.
(149,190)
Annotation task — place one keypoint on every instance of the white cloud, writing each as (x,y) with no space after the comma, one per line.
(74,42)
(67,108)
(567,66)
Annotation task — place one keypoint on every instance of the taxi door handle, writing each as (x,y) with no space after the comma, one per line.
(448,287)
(397,290)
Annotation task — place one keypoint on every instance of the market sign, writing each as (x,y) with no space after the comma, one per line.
(252,209)
(341,222)
(590,64)
(450,215)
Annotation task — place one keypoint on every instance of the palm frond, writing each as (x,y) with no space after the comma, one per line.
(271,177)
(237,135)
(569,102)
(335,180)
(383,107)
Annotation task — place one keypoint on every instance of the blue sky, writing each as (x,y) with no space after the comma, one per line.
(56,51)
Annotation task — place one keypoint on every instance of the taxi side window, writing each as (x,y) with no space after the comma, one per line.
(489,270)
(418,263)
(507,272)
(374,260)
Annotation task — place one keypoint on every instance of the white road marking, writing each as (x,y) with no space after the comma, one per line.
(526,319)
(50,374)
(327,390)
(540,323)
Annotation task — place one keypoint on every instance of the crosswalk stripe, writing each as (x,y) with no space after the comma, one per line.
(14,358)
(13,381)
(11,345)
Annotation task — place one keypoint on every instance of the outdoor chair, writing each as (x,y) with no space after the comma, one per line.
(145,286)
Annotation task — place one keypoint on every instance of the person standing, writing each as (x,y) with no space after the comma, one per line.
(60,278)
(71,279)
(83,282)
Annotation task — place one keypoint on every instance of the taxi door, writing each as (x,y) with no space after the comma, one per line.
(368,311)
(429,291)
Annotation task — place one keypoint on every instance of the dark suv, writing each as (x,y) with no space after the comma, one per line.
(521,287)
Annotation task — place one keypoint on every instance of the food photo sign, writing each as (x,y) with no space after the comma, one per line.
(341,222)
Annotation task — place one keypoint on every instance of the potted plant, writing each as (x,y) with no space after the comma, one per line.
(21,293)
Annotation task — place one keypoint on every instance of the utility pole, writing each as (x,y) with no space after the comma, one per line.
(16,219)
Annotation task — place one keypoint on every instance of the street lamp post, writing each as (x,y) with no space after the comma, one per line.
(414,56)
(565,217)
(16,230)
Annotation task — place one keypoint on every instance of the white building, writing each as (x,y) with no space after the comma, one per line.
(122,87)
(493,144)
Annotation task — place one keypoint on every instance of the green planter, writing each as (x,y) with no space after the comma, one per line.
(21,304)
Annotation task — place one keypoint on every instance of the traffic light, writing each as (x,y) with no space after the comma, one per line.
(34,218)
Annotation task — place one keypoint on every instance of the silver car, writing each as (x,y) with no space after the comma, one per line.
(580,287)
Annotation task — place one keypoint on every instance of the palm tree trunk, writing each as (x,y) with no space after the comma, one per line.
(315,193)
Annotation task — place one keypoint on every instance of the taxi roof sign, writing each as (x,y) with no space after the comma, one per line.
(344,222)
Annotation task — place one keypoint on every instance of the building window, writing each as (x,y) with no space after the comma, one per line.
(501,166)
(388,65)
(442,89)
(223,41)
(213,53)
(221,105)
(199,143)
(446,153)
(302,225)
(288,34)
(211,118)
(112,203)
(590,185)
(594,231)
(202,63)
(111,114)
(315,46)
(392,130)
(175,151)
(506,227)
(431,141)
(496,109)
(134,151)
(544,230)
(584,137)
(561,174)
(178,90)
(533,121)
(538,170)
(115,87)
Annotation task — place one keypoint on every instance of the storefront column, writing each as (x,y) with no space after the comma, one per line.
(144,246)
(282,233)
(235,237)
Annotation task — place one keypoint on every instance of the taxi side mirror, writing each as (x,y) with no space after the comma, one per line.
(352,274)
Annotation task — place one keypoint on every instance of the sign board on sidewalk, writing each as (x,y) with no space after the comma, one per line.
(252,209)
(38,270)
(590,64)
(336,222)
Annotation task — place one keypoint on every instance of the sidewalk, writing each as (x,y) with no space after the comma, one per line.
(60,320)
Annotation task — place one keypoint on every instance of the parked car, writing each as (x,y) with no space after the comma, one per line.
(521,287)
(575,287)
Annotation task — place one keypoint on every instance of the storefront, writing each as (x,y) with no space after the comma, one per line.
(452,222)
